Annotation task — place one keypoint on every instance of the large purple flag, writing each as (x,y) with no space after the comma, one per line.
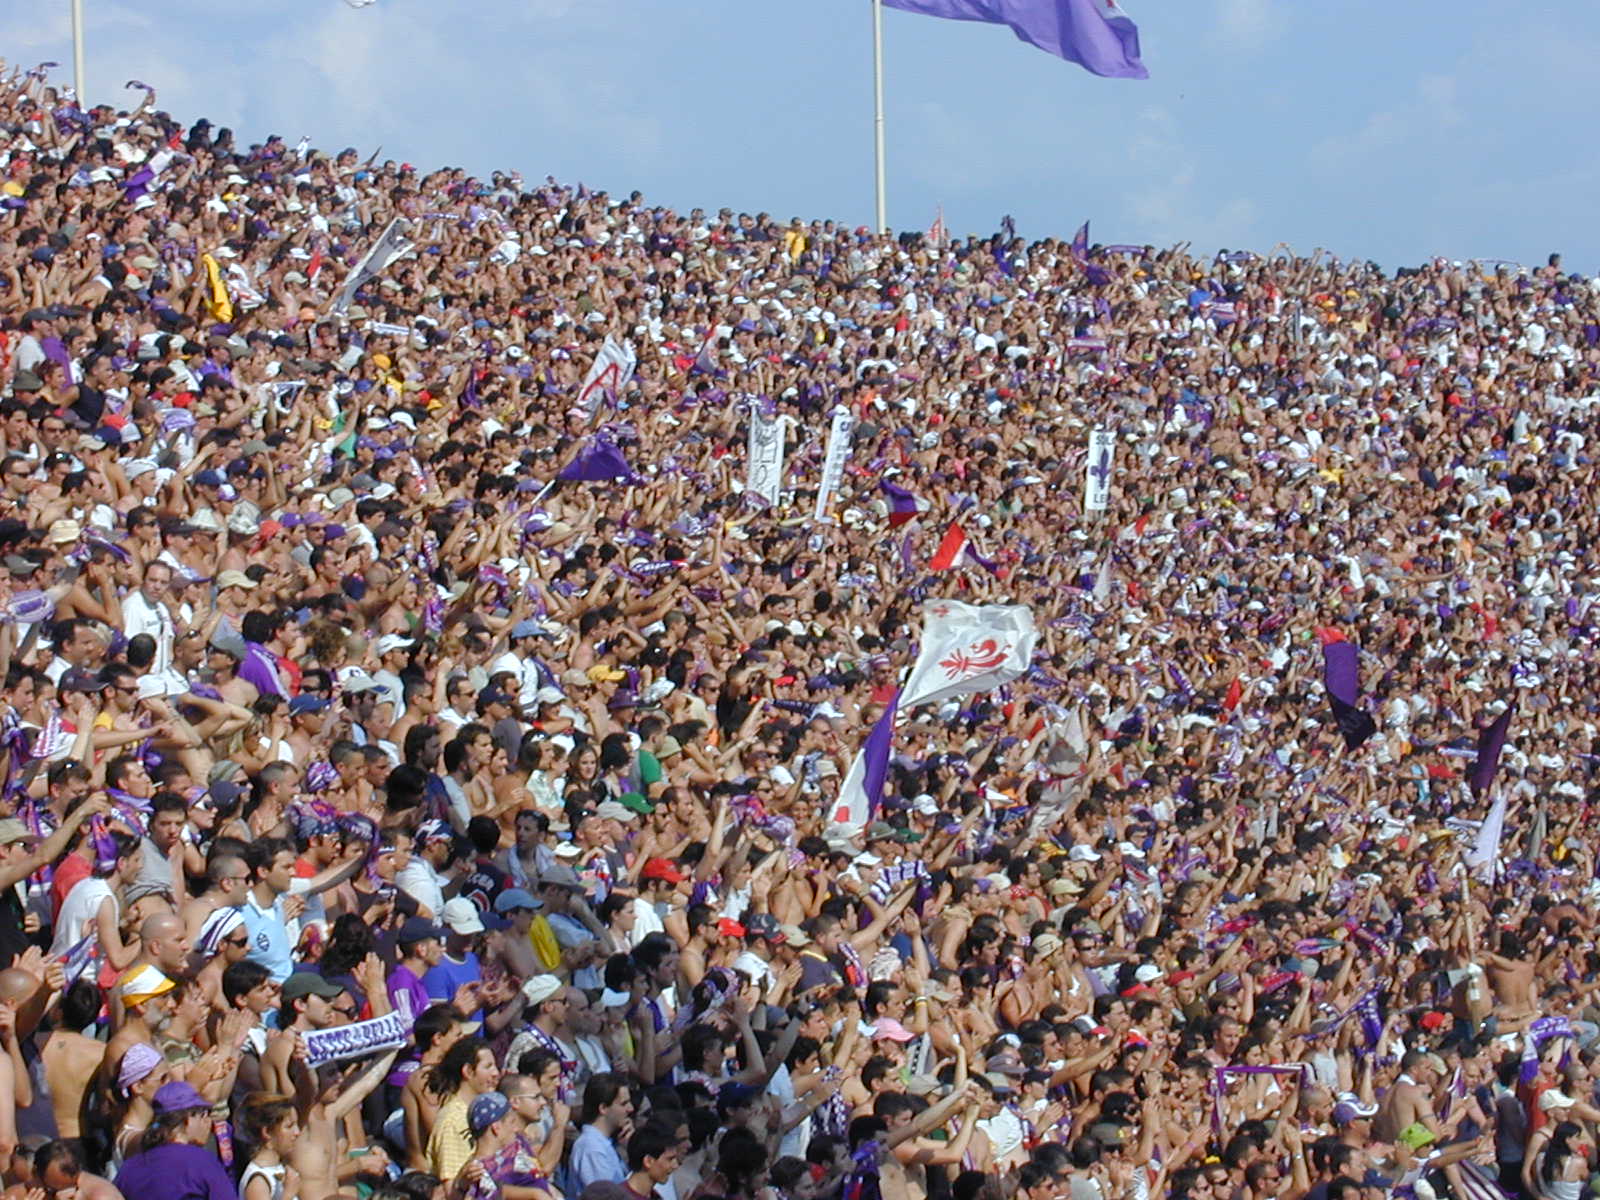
(1491,740)
(1342,677)
(1095,34)
(598,461)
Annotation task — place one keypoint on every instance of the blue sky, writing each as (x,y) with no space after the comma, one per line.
(1374,129)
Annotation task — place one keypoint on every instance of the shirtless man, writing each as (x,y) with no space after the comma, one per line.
(147,1002)
(326,1098)
(1410,1102)
(58,1169)
(70,1059)
(1511,977)
(909,1148)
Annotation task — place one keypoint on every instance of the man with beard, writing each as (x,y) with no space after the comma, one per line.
(147,1003)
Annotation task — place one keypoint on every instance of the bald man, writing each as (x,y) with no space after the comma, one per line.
(163,944)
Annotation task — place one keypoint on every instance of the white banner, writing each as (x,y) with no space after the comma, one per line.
(969,648)
(391,244)
(612,369)
(1097,472)
(357,1039)
(833,462)
(764,455)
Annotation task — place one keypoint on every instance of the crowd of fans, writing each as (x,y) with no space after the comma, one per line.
(388,817)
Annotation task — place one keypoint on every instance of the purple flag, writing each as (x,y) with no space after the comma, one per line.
(597,462)
(1341,676)
(1491,740)
(862,789)
(903,505)
(1080,243)
(1095,34)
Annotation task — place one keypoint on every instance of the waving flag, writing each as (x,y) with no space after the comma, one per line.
(969,648)
(608,375)
(391,244)
(862,789)
(598,461)
(1341,676)
(1491,741)
(1484,857)
(1080,243)
(936,231)
(1095,34)
(903,506)
(951,548)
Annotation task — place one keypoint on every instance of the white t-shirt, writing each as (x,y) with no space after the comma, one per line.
(78,912)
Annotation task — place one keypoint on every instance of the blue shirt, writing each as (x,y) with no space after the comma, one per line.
(269,937)
(443,980)
(594,1158)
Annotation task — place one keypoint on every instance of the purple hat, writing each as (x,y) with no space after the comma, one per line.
(177,1096)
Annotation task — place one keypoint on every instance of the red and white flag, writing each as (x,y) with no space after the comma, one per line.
(936,231)
(951,547)
(969,648)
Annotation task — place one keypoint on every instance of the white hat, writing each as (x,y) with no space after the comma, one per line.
(540,988)
(1081,853)
(461,915)
(394,641)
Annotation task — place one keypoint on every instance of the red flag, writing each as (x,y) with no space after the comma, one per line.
(1235,694)
(314,266)
(950,548)
(1328,635)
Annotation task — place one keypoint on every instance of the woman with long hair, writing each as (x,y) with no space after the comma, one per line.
(466,1071)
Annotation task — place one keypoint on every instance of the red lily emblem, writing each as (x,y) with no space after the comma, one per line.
(975,659)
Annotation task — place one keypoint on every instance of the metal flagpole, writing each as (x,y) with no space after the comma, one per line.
(77,52)
(877,121)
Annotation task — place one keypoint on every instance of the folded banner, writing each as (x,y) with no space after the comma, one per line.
(1095,34)
(969,648)
(357,1039)
(764,456)
(391,244)
(608,375)
(1341,677)
(1097,472)
(833,462)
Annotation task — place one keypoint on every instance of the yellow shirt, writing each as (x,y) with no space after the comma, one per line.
(450,1145)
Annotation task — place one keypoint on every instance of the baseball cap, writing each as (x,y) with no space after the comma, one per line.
(79,680)
(433,830)
(493,696)
(13,831)
(515,898)
(655,868)
(1554,1099)
(486,1110)
(526,628)
(238,579)
(549,695)
(418,929)
(1349,1108)
(888,1027)
(177,1096)
(540,988)
(307,704)
(393,641)
(635,802)
(561,875)
(308,983)
(461,916)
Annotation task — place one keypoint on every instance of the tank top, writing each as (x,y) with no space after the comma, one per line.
(272,1174)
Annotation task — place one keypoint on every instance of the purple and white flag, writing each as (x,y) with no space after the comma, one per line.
(1097,471)
(1484,857)
(969,648)
(862,789)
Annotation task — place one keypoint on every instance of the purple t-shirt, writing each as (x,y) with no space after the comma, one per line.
(259,667)
(404,981)
(175,1173)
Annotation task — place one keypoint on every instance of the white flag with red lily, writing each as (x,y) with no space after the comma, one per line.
(969,648)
